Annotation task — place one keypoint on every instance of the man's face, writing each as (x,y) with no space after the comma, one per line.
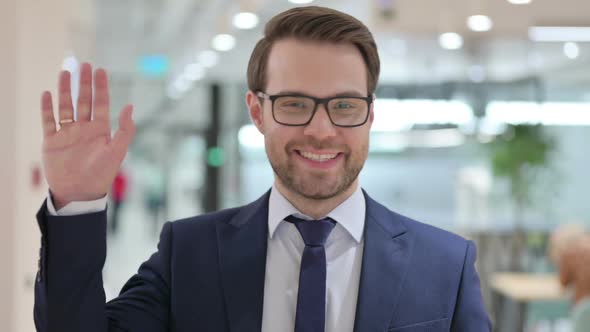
(318,160)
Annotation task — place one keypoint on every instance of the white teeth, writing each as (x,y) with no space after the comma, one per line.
(318,157)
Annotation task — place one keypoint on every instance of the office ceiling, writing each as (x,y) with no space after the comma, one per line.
(406,32)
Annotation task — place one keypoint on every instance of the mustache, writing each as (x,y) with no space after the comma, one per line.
(317,145)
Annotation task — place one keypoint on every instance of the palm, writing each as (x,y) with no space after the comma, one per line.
(81,159)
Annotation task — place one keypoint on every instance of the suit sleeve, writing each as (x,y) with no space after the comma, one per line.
(69,294)
(470,313)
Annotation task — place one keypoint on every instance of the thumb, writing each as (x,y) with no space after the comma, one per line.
(124,133)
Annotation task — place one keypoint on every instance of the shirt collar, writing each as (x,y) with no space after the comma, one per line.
(350,214)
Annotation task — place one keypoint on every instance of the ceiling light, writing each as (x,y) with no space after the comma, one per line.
(182,84)
(224,42)
(245,20)
(300,2)
(520,2)
(450,41)
(559,34)
(479,23)
(571,50)
(208,58)
(194,72)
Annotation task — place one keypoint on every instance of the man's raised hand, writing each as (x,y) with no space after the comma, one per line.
(81,159)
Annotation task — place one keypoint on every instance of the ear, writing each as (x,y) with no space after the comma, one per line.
(371,113)
(255,110)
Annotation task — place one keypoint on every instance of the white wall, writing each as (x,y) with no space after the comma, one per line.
(35,37)
(7,164)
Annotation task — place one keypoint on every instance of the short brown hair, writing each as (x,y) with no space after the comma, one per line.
(314,24)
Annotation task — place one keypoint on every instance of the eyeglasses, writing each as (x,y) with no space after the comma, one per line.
(298,110)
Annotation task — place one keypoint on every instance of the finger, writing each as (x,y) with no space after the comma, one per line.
(85,93)
(101,98)
(124,134)
(66,110)
(47,118)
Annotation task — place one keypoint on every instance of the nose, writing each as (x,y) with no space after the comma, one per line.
(320,126)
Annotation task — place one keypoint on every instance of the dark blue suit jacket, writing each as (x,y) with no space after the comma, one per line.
(208,275)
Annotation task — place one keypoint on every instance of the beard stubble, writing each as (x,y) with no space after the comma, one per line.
(317,185)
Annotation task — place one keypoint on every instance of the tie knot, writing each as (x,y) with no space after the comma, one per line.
(314,232)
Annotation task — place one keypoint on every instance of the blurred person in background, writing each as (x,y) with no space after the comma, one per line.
(154,193)
(562,238)
(314,253)
(118,193)
(574,274)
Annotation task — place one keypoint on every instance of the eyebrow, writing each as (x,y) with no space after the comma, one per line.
(349,93)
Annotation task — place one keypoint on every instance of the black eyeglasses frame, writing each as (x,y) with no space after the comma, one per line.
(317,101)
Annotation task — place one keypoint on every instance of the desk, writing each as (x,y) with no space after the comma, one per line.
(523,288)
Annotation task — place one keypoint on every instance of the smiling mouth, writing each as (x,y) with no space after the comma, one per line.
(317,157)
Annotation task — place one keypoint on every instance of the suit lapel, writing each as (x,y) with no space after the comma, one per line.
(242,259)
(385,258)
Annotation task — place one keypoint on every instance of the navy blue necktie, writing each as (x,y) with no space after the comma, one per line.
(311,297)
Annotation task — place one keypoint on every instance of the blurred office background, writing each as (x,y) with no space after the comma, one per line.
(482,124)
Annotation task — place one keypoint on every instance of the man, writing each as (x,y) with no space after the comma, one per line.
(267,265)
(118,191)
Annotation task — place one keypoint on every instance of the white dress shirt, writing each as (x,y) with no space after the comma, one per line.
(75,208)
(344,252)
